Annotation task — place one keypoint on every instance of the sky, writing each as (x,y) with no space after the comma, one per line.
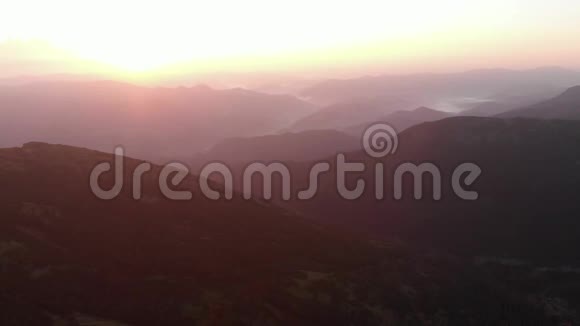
(165,37)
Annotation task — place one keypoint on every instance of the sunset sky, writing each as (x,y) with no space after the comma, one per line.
(170,36)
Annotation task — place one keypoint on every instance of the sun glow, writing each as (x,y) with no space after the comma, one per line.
(145,36)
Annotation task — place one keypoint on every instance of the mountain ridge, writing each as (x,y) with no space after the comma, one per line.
(146,120)
(565,106)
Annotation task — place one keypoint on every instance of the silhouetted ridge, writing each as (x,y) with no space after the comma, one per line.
(566,106)
(572,93)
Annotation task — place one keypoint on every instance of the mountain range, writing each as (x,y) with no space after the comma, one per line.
(435,90)
(163,121)
(506,257)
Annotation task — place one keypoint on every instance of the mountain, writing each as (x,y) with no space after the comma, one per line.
(69,258)
(343,115)
(566,106)
(304,146)
(511,99)
(526,209)
(66,253)
(443,91)
(149,122)
(489,109)
(401,120)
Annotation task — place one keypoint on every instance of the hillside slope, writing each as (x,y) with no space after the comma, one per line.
(68,258)
(565,107)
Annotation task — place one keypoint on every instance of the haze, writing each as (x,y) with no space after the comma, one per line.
(160,40)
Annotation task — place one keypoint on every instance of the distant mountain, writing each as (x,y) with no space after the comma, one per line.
(303,146)
(440,91)
(511,99)
(401,120)
(565,106)
(489,109)
(349,113)
(149,122)
(68,258)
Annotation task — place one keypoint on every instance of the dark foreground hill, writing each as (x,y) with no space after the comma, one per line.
(67,258)
(528,190)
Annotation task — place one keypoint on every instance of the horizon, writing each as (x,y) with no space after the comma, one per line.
(261,40)
(216,81)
